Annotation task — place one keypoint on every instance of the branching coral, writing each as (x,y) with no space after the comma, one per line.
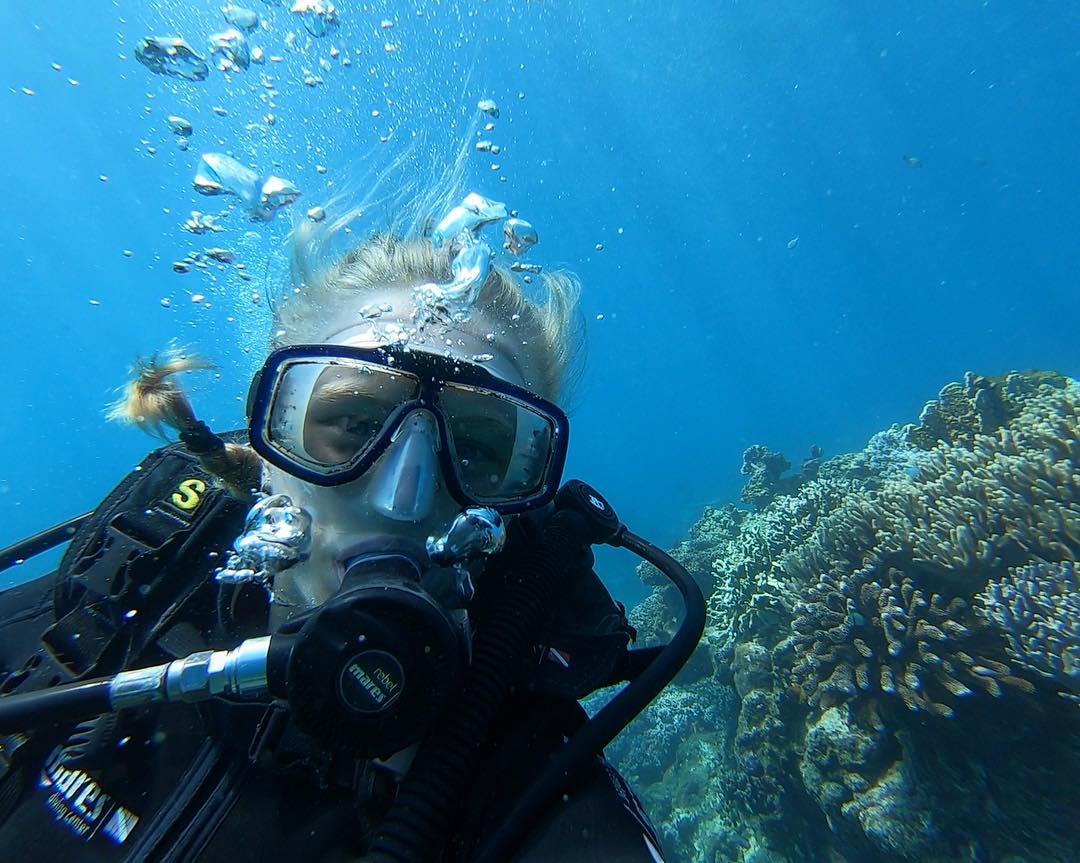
(897,627)
(1037,607)
(873,632)
(893,609)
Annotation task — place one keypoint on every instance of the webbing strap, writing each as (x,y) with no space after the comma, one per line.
(80,638)
(149,529)
(124,578)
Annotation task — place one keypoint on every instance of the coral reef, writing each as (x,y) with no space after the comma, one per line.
(979,405)
(674,751)
(766,470)
(896,633)
(899,568)
(1037,608)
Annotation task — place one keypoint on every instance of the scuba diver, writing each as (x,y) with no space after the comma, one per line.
(361,631)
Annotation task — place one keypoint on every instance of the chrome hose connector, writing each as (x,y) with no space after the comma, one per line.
(203,675)
(138,686)
(211,673)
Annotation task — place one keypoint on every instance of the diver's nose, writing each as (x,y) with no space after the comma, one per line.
(406,477)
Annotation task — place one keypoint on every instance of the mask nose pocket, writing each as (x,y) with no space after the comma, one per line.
(407,476)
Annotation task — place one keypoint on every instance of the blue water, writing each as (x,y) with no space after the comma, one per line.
(924,156)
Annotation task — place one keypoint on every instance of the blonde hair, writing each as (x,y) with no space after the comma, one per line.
(153,400)
(322,281)
(550,327)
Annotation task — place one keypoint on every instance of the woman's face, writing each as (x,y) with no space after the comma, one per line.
(403,498)
(349,406)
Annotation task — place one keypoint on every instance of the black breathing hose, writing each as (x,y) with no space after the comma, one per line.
(71,702)
(599,731)
(40,542)
(421,816)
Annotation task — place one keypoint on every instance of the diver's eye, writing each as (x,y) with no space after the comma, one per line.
(356,426)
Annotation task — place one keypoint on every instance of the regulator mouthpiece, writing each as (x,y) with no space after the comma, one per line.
(475,532)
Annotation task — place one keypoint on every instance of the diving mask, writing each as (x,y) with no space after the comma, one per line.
(326,413)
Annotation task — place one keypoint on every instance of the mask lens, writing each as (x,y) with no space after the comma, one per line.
(501,447)
(328,414)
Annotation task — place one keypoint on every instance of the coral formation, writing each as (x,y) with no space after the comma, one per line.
(766,470)
(979,405)
(893,609)
(674,750)
(758,742)
(862,790)
(1037,607)
(897,625)
(874,633)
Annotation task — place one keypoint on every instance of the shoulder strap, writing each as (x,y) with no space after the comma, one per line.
(131,569)
(137,559)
